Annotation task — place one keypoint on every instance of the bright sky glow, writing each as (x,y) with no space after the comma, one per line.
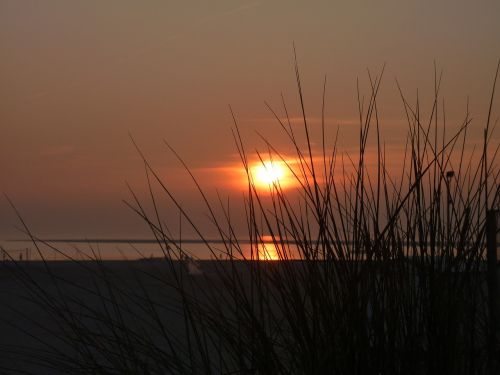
(84,75)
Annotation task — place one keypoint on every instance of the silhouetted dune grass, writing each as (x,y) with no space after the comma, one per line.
(377,273)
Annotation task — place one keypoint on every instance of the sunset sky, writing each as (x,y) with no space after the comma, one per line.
(77,78)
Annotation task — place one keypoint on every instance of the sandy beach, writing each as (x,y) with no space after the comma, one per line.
(40,302)
(31,293)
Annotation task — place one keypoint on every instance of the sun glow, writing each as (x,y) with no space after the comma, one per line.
(269,173)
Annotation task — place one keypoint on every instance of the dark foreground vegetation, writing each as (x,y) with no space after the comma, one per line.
(378,273)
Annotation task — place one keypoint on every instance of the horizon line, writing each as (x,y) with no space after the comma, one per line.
(144,240)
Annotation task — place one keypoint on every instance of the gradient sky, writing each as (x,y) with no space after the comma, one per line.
(77,77)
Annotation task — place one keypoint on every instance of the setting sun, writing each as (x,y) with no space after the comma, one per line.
(269,172)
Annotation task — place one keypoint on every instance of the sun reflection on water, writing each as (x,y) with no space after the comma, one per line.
(267,251)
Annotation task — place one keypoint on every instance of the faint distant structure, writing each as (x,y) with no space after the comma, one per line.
(192,266)
(13,254)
